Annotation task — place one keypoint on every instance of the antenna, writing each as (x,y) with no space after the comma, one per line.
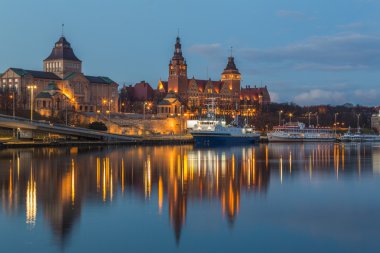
(63,26)
(178,32)
(231,51)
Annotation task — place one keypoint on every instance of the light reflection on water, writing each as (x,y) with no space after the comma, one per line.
(54,189)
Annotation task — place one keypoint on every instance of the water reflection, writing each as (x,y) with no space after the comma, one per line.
(54,183)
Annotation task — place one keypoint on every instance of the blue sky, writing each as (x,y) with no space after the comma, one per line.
(308,52)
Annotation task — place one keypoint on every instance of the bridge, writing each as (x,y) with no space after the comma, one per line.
(7,121)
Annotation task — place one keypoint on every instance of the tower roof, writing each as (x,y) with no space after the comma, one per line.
(178,50)
(62,51)
(231,66)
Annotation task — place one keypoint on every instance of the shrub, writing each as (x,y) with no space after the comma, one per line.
(97,125)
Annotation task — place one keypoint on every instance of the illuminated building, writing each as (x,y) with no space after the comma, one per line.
(64,69)
(195,92)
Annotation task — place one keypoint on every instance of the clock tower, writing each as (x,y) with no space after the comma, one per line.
(177,80)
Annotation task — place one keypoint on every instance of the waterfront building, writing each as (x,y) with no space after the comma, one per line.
(195,93)
(169,106)
(64,69)
(131,98)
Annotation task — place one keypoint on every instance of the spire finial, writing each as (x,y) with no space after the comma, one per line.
(178,32)
(231,51)
(63,26)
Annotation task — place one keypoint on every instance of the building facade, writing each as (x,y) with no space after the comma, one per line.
(62,68)
(195,93)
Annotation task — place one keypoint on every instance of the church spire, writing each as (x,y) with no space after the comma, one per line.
(63,34)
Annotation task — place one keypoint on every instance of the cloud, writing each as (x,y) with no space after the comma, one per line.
(274,96)
(339,52)
(368,94)
(214,49)
(351,26)
(319,96)
(290,14)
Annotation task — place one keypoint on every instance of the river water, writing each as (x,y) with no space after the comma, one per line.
(262,198)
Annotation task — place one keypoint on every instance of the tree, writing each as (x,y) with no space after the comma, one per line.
(97,125)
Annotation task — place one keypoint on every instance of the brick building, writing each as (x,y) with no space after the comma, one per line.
(63,69)
(195,93)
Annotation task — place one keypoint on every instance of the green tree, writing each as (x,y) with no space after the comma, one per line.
(97,125)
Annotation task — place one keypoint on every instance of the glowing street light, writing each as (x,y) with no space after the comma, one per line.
(335,115)
(290,117)
(279,117)
(31,88)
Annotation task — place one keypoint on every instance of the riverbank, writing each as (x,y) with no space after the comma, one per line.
(146,140)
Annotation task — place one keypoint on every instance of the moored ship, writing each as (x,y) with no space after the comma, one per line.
(213,131)
(359,137)
(297,132)
(206,134)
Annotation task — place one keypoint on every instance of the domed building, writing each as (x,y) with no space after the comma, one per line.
(63,68)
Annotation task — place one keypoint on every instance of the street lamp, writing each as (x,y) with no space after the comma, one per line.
(13,97)
(358,127)
(335,115)
(109,107)
(145,103)
(290,117)
(317,119)
(31,88)
(279,117)
(309,118)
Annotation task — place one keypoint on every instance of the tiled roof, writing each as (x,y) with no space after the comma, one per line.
(164,102)
(52,87)
(99,79)
(43,94)
(62,50)
(202,84)
(36,74)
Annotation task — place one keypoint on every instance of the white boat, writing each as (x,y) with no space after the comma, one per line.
(213,131)
(297,132)
(359,137)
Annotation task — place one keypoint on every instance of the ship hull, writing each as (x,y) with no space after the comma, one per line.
(272,138)
(217,139)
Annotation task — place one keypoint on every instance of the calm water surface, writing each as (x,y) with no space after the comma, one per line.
(264,198)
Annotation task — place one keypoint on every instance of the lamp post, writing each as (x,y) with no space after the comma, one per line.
(109,110)
(144,109)
(105,101)
(13,97)
(31,88)
(335,115)
(290,117)
(358,124)
(309,118)
(317,119)
(279,117)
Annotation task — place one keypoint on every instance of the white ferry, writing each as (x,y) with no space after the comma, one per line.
(359,137)
(297,132)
